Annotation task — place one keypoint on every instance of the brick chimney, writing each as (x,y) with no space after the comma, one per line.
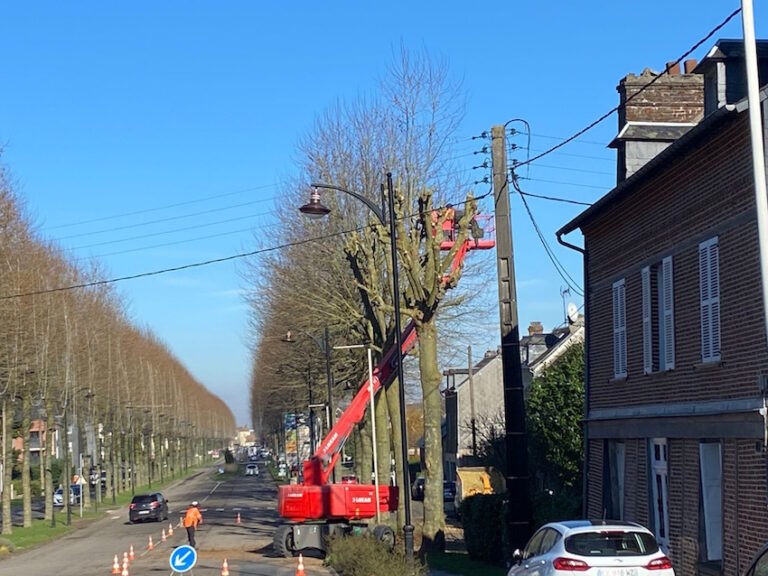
(657,116)
(535,328)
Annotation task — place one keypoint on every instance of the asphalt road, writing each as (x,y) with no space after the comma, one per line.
(247,547)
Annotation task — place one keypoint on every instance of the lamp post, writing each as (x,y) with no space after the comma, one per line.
(315,209)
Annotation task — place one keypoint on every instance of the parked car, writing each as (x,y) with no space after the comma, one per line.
(759,565)
(252,470)
(148,507)
(591,548)
(74,495)
(417,489)
(449,493)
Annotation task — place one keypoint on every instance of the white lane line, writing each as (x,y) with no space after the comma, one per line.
(219,509)
(114,517)
(212,491)
(236,509)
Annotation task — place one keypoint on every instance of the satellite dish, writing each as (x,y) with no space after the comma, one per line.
(573,313)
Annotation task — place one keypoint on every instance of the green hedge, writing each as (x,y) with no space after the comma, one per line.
(482,516)
(364,556)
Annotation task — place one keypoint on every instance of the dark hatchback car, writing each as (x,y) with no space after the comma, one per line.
(148,507)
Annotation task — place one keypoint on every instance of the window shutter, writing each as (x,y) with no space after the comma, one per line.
(645,278)
(619,330)
(714,297)
(706,343)
(668,305)
(709,283)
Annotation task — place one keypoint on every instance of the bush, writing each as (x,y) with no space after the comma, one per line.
(364,556)
(482,516)
(563,505)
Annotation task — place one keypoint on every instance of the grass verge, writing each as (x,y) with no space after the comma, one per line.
(461,563)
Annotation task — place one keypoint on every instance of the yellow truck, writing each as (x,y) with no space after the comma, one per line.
(473,480)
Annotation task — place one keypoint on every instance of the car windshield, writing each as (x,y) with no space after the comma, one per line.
(143,499)
(611,543)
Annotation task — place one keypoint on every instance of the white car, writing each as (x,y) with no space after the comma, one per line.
(592,548)
(252,470)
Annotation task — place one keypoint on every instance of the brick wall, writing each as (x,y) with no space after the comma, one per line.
(707,191)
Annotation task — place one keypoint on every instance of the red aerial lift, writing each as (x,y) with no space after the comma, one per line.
(318,509)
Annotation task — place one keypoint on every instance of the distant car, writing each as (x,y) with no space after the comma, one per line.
(417,489)
(74,495)
(252,470)
(591,548)
(152,506)
(449,493)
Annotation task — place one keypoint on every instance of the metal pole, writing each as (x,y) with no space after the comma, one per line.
(311,414)
(405,491)
(67,480)
(758,154)
(329,379)
(373,426)
(472,402)
(519,515)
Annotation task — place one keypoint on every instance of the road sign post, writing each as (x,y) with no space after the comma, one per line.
(183,559)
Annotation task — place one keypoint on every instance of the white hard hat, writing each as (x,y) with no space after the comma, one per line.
(195,503)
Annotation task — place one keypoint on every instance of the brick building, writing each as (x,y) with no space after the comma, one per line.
(676,348)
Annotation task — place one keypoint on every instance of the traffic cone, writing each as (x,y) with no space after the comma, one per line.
(300,567)
(238,518)
(115,566)
(131,555)
(181,521)
(170,528)
(150,546)
(225,568)
(125,569)
(163,537)
(126,558)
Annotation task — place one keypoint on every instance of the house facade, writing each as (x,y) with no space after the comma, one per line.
(677,358)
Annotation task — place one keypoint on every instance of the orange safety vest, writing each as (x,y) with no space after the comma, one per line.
(192,517)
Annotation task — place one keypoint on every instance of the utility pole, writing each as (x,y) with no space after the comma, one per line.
(519,515)
(472,402)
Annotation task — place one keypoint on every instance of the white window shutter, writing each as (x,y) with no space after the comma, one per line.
(710,459)
(668,304)
(714,297)
(619,330)
(645,278)
(706,332)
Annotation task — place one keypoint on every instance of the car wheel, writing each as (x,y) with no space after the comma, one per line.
(385,535)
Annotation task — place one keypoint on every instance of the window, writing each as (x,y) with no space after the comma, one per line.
(551,538)
(619,330)
(659,311)
(613,480)
(709,293)
(660,503)
(532,548)
(712,498)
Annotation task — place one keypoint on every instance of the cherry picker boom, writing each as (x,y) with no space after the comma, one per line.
(319,509)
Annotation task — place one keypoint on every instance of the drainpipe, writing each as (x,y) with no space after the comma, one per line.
(585,255)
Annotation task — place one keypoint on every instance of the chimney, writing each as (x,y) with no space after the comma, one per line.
(654,118)
(535,328)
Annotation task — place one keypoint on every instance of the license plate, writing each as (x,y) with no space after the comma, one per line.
(617,572)
(147,512)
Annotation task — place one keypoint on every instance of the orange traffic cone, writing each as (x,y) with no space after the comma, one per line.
(181,521)
(300,567)
(163,537)
(150,546)
(126,558)
(115,566)
(125,569)
(238,518)
(170,529)
(131,555)
(225,568)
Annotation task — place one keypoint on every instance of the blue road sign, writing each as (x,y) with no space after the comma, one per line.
(183,559)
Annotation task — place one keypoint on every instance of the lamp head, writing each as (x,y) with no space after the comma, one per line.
(314,208)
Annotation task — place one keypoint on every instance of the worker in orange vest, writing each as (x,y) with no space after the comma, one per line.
(191,519)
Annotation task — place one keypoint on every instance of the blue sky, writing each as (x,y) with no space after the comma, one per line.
(108,109)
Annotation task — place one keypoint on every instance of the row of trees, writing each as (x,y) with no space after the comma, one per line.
(338,274)
(74,359)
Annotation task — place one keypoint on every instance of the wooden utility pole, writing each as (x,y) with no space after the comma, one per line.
(519,515)
(472,402)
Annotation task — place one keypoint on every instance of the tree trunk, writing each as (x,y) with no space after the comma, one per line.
(366,451)
(85,483)
(7,466)
(393,406)
(26,469)
(434,517)
(49,448)
(383,456)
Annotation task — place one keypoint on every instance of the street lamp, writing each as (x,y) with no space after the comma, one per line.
(315,209)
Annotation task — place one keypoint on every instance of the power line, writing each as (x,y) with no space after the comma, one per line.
(562,272)
(158,208)
(562,183)
(635,95)
(215,260)
(582,170)
(555,199)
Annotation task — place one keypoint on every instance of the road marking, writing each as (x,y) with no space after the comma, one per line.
(212,491)
(114,517)
(236,509)
(219,509)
